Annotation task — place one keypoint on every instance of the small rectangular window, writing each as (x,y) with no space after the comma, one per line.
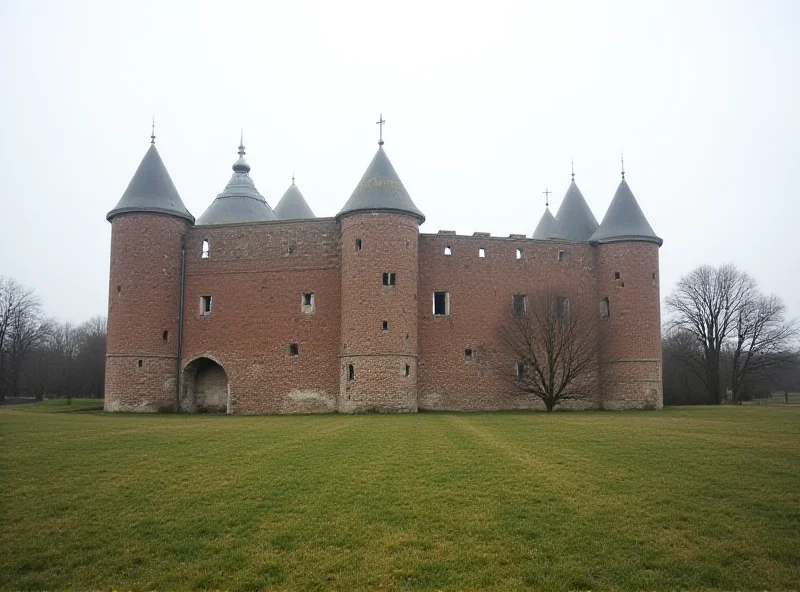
(307,302)
(468,352)
(562,307)
(605,309)
(294,349)
(165,336)
(520,303)
(407,371)
(138,363)
(448,250)
(205,305)
(616,275)
(204,254)
(520,370)
(389,279)
(385,326)
(519,253)
(441,303)
(351,372)
(561,255)
(358,244)
(290,250)
(481,252)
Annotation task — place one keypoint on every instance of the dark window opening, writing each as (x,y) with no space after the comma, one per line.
(562,307)
(358,244)
(407,371)
(616,275)
(139,363)
(307,302)
(165,336)
(481,252)
(441,303)
(520,370)
(468,352)
(119,288)
(204,254)
(385,326)
(205,305)
(561,255)
(448,250)
(389,279)
(290,250)
(605,308)
(351,372)
(294,349)
(520,305)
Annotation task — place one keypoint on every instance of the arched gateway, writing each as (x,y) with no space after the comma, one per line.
(205,387)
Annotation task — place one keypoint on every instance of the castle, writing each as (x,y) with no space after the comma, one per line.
(253,310)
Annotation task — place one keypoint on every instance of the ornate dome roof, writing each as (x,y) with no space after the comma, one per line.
(625,220)
(151,190)
(293,206)
(574,216)
(240,201)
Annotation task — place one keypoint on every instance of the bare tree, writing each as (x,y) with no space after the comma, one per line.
(706,303)
(723,309)
(21,327)
(549,348)
(682,369)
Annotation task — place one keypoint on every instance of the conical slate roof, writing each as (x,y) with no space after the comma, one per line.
(151,190)
(380,189)
(548,227)
(625,220)
(240,201)
(576,219)
(293,206)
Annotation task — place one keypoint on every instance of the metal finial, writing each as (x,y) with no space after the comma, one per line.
(547,193)
(292,176)
(153,129)
(622,160)
(380,122)
(241,143)
(573,169)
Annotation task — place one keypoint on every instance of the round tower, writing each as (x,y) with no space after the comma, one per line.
(147,232)
(630,306)
(380,237)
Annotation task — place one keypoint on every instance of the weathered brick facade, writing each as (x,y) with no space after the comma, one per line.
(337,314)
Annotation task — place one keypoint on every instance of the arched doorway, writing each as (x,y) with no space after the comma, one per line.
(205,387)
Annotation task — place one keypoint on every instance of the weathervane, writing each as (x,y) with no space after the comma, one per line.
(292,176)
(573,168)
(153,129)
(622,160)
(380,122)
(547,193)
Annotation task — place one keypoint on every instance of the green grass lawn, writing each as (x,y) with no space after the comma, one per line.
(705,498)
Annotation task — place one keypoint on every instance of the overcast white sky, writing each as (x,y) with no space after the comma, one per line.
(485,105)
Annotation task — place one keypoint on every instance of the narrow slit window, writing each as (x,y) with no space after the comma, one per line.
(294,349)
(139,363)
(205,305)
(481,252)
(616,275)
(561,255)
(562,307)
(385,326)
(605,308)
(389,279)
(441,303)
(204,254)
(448,250)
(520,304)
(307,302)
(165,336)
(407,371)
(351,372)
(519,253)
(520,370)
(358,244)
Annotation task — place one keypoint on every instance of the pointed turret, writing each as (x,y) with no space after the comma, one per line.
(151,190)
(293,206)
(574,216)
(380,189)
(240,201)
(548,227)
(624,220)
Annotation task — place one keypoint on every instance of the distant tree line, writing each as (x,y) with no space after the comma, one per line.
(42,357)
(724,340)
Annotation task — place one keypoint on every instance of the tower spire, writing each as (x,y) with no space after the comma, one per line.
(573,168)
(241,166)
(380,122)
(622,160)
(292,176)
(547,193)
(241,142)
(153,129)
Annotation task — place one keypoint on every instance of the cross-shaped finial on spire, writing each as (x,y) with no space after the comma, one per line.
(622,160)
(547,193)
(153,129)
(292,176)
(573,169)
(380,122)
